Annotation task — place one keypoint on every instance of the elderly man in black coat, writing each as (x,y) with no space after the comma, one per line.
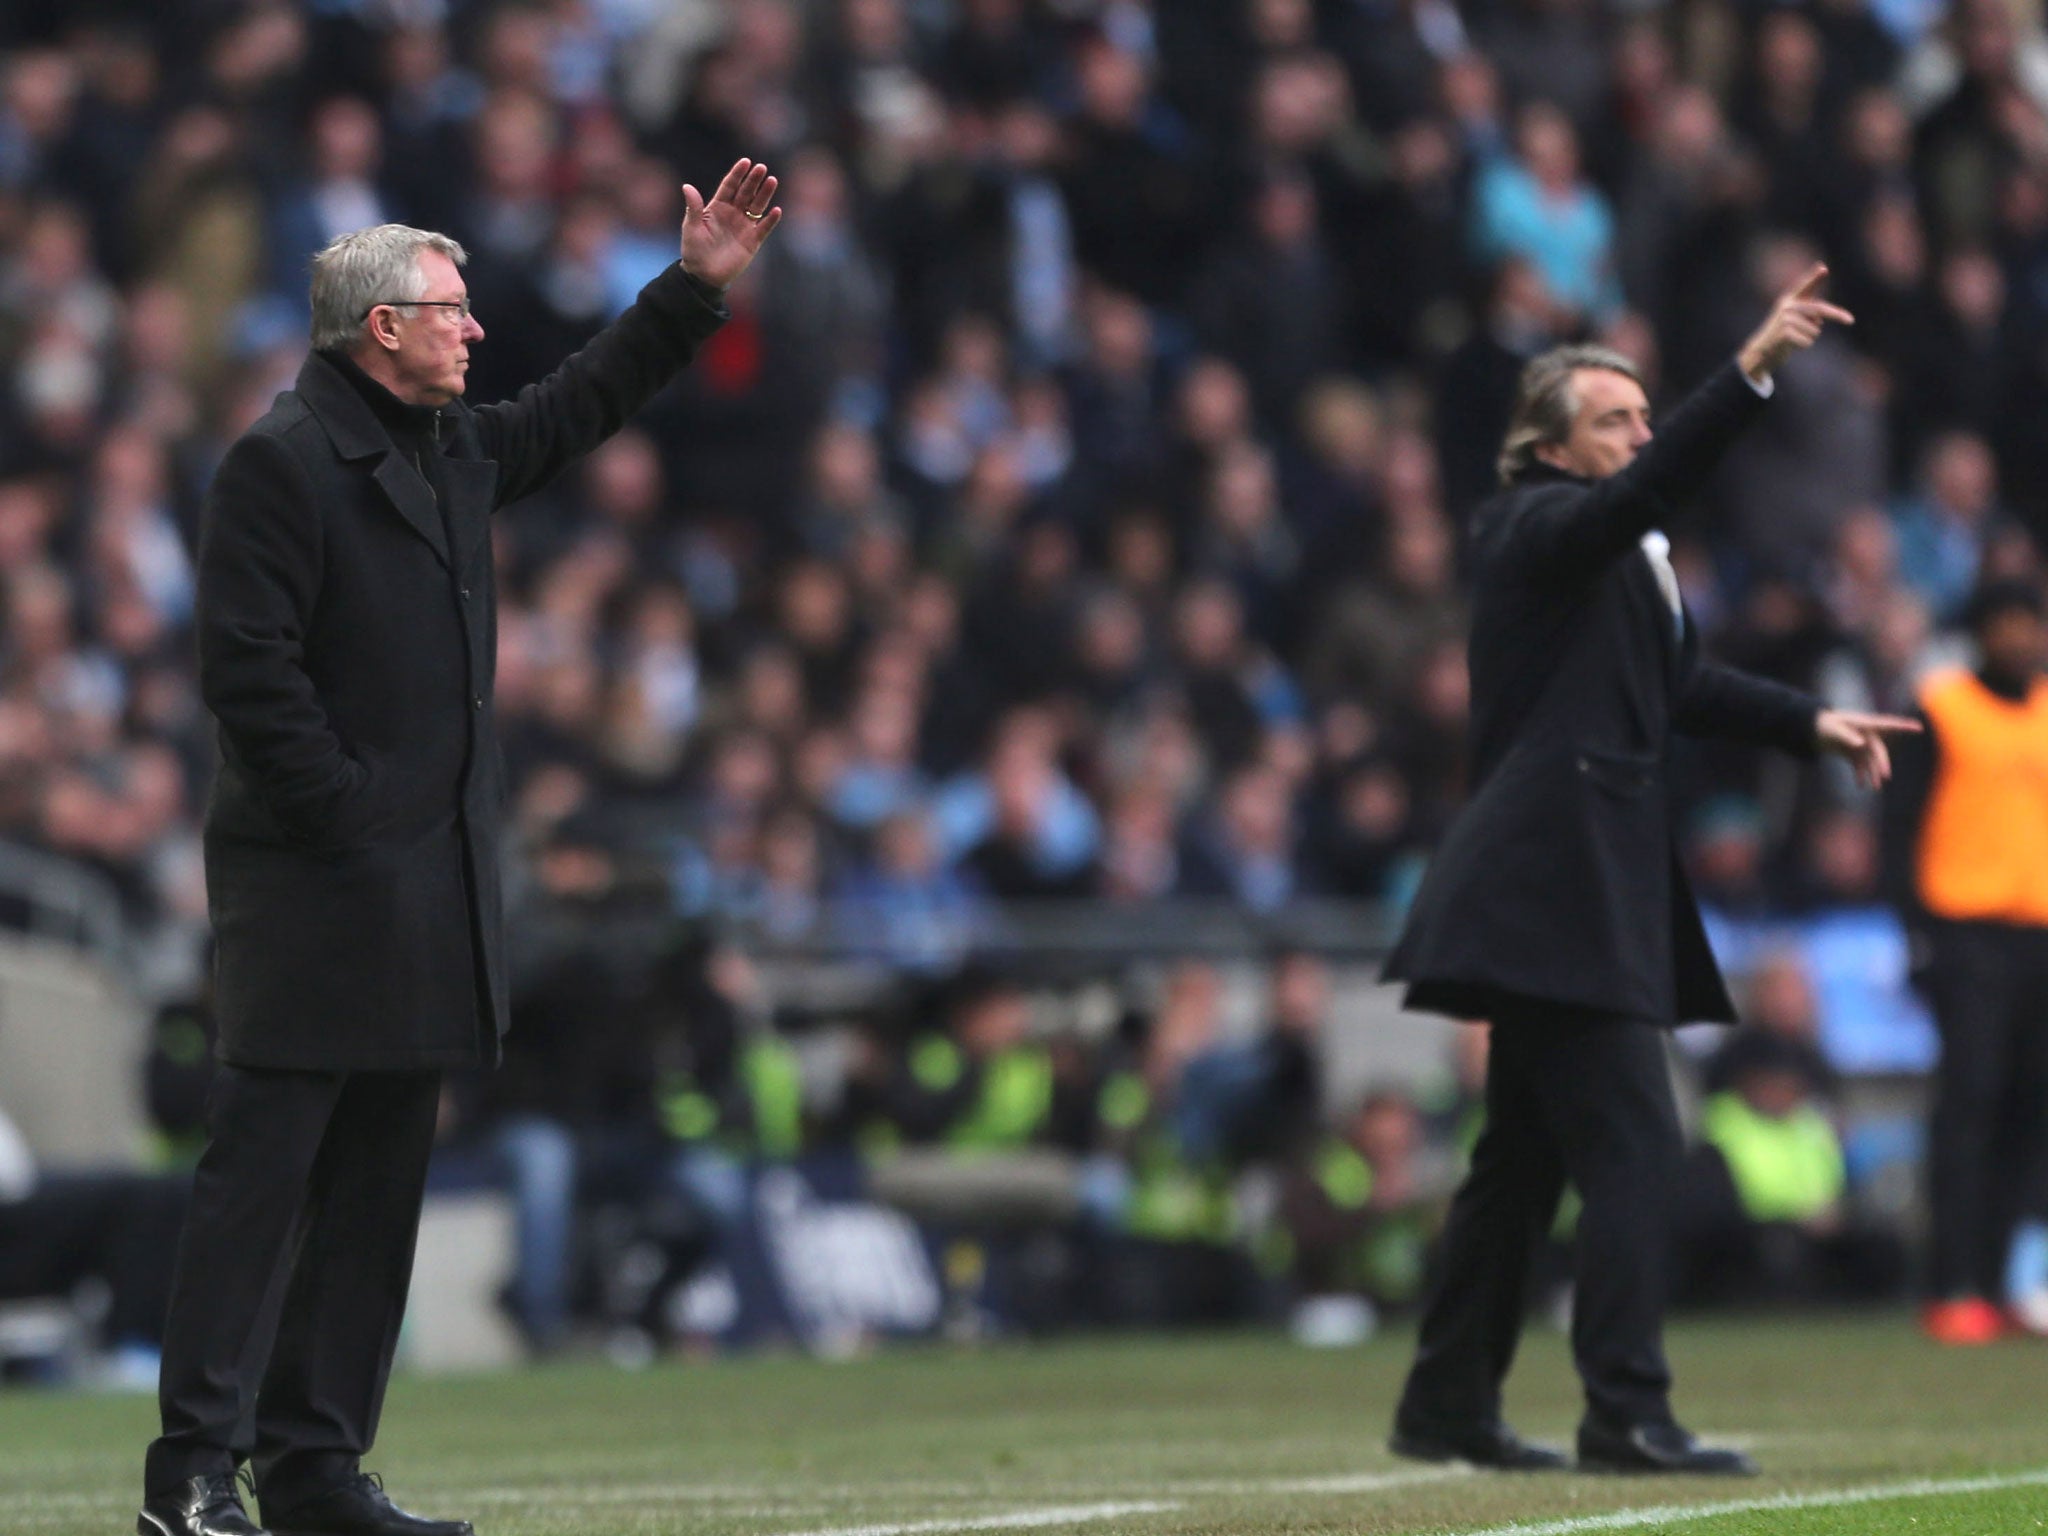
(347,643)
(1556,907)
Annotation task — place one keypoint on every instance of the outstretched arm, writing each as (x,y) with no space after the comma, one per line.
(1721,702)
(548,425)
(1728,705)
(1572,537)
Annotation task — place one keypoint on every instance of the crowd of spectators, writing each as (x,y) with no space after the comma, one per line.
(1073,506)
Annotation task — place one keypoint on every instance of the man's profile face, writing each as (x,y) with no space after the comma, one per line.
(432,355)
(1612,424)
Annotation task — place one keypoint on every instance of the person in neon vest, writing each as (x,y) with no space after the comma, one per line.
(1967,863)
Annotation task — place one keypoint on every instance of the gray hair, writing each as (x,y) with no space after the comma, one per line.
(357,272)
(1546,404)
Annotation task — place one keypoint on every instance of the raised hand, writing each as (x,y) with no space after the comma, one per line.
(721,237)
(1794,323)
(1859,738)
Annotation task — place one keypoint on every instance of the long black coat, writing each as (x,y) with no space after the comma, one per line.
(347,647)
(1559,880)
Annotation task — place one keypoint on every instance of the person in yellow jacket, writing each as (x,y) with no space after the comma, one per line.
(1967,862)
(1159,1186)
(1765,1213)
(1361,1208)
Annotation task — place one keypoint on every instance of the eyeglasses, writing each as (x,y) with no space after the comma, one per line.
(461,304)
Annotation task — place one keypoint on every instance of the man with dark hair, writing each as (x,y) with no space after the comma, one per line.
(347,642)
(1966,858)
(1555,906)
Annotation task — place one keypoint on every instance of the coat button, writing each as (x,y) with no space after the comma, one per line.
(1584,766)
(478,701)
(465,594)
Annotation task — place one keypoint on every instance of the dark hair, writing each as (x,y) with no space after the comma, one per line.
(2001,595)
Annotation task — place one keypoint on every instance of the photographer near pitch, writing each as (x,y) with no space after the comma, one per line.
(1555,906)
(347,637)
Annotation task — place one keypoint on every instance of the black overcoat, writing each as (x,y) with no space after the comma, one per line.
(347,645)
(1559,880)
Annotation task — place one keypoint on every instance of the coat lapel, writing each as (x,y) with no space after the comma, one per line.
(413,497)
(1685,657)
(356,433)
(1680,636)
(1647,594)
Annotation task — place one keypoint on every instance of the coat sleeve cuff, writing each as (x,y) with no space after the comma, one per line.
(1738,387)
(714,298)
(686,301)
(1804,739)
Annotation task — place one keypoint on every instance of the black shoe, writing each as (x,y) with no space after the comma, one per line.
(356,1508)
(1491,1445)
(1656,1448)
(199,1506)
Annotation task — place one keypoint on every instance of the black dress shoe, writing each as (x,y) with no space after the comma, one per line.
(199,1506)
(1491,1445)
(356,1508)
(1656,1448)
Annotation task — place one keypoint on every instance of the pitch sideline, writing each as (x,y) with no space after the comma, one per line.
(1088,1514)
(1876,1493)
(1613,1520)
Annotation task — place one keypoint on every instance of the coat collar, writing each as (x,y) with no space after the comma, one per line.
(1540,473)
(351,425)
(357,435)
(406,423)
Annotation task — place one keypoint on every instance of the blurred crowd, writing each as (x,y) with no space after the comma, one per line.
(1073,506)
(963,566)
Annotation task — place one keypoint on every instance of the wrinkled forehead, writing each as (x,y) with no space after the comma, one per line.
(1600,390)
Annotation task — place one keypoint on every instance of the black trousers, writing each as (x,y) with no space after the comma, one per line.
(1987,1142)
(1579,1099)
(292,1276)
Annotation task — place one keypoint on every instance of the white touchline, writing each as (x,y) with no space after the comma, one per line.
(1678,1514)
(1085,1514)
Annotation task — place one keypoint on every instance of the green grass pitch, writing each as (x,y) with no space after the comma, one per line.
(1861,1426)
